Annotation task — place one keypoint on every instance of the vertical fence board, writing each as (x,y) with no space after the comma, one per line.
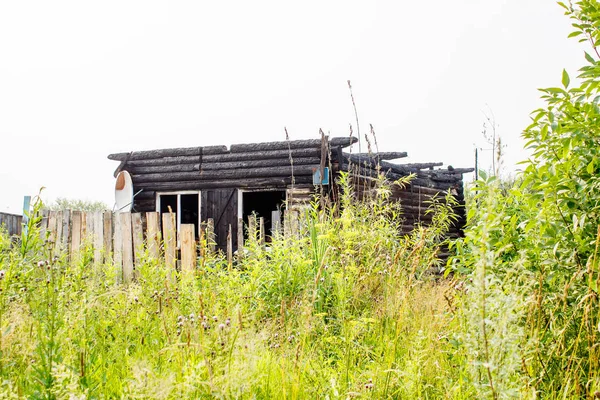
(117,242)
(76,234)
(188,247)
(229,248)
(127,237)
(52,227)
(59,231)
(43,224)
(261,230)
(252,228)
(138,236)
(210,235)
(98,236)
(153,234)
(240,238)
(108,233)
(169,235)
(66,229)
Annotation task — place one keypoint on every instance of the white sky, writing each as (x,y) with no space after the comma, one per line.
(80,80)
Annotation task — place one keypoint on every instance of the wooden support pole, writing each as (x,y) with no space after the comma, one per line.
(170,240)
(117,242)
(252,228)
(127,234)
(229,248)
(98,237)
(188,247)
(240,239)
(75,234)
(108,234)
(210,235)
(261,230)
(138,237)
(153,234)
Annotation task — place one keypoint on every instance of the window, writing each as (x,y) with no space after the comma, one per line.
(186,205)
(266,204)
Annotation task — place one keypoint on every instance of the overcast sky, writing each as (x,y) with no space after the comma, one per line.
(80,80)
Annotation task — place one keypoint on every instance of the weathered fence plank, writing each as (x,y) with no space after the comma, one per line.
(188,247)
(169,234)
(127,237)
(108,233)
(153,234)
(75,233)
(138,236)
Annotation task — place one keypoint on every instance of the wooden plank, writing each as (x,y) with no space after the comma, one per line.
(76,217)
(108,234)
(90,222)
(138,237)
(252,228)
(52,228)
(261,230)
(229,248)
(43,224)
(153,234)
(240,239)
(170,240)
(59,232)
(127,235)
(66,229)
(117,242)
(188,247)
(98,240)
(210,235)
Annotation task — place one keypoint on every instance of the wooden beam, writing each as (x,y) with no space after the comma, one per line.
(291,144)
(173,152)
(188,247)
(278,182)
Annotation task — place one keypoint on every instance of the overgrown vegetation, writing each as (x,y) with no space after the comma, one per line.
(347,309)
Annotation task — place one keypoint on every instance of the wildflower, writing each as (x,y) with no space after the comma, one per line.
(178,332)
(136,299)
(180,318)
(2,274)
(192,316)
(227,322)
(205,325)
(47,281)
(215,318)
(291,338)
(221,326)
(40,264)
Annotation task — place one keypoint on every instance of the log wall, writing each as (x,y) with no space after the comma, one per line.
(12,223)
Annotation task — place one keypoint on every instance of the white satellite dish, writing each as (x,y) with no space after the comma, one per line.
(124,192)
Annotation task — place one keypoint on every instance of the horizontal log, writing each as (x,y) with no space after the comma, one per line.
(254,183)
(283,171)
(418,166)
(277,162)
(385,155)
(145,194)
(173,152)
(291,144)
(218,158)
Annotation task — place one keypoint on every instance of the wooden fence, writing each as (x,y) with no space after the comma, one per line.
(125,238)
(12,223)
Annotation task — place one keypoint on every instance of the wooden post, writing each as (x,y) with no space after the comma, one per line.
(44,224)
(252,228)
(210,235)
(58,239)
(118,242)
(229,248)
(169,235)
(261,230)
(66,229)
(90,224)
(98,236)
(188,247)
(127,234)
(75,235)
(153,234)
(240,239)
(52,228)
(108,234)
(137,229)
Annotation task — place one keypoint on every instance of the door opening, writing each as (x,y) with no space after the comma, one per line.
(266,204)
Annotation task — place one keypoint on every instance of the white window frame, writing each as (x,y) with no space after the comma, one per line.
(178,213)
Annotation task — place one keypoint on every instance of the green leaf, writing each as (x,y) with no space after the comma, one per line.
(565,79)
(589,57)
(573,34)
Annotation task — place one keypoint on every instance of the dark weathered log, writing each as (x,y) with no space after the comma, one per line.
(255,183)
(382,155)
(145,195)
(417,166)
(226,174)
(452,170)
(218,158)
(292,144)
(277,162)
(174,152)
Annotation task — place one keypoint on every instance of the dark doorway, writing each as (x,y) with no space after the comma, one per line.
(185,205)
(268,205)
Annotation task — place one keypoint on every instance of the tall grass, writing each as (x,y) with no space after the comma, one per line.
(345,309)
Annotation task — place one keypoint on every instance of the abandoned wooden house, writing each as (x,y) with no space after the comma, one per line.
(199,183)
